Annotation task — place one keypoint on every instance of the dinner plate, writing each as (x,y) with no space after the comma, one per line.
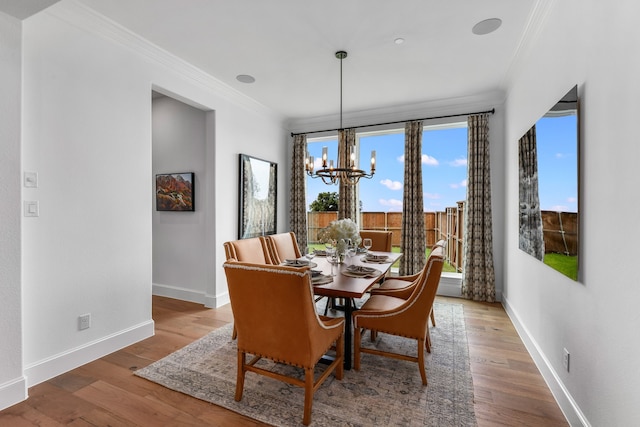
(299,263)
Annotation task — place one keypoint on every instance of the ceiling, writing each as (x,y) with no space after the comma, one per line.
(289,47)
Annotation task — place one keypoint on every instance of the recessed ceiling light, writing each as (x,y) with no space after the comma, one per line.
(399,40)
(245,78)
(487,26)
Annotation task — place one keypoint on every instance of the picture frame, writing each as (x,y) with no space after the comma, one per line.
(175,192)
(258,193)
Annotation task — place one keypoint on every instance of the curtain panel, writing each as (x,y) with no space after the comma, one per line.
(478,276)
(531,233)
(297,196)
(348,200)
(413,238)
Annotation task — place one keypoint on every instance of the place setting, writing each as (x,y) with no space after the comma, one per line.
(360,271)
(372,258)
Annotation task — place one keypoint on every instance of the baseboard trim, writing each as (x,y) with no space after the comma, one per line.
(12,392)
(46,369)
(209,301)
(175,292)
(569,407)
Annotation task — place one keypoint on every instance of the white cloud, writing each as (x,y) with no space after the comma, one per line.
(559,208)
(430,161)
(394,205)
(461,184)
(426,159)
(458,162)
(572,199)
(391,185)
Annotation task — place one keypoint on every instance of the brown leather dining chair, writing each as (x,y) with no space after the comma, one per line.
(402,286)
(283,246)
(252,250)
(403,317)
(276,319)
(381,240)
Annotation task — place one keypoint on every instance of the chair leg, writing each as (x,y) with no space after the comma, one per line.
(423,373)
(427,342)
(308,395)
(234,334)
(374,335)
(240,376)
(433,317)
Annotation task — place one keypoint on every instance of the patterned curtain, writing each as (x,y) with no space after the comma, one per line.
(413,240)
(478,276)
(531,235)
(348,200)
(297,197)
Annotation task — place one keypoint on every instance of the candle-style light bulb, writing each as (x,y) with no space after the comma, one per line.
(311,164)
(331,164)
(324,156)
(373,160)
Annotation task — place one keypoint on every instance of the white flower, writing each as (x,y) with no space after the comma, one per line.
(341,229)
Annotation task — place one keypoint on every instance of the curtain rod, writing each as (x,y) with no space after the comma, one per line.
(492,111)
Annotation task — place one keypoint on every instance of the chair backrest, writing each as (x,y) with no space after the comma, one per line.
(283,246)
(252,250)
(274,312)
(439,244)
(381,240)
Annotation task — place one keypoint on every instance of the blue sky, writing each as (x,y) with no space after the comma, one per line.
(556,139)
(444,167)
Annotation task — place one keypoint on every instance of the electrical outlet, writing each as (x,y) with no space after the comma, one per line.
(565,359)
(84,321)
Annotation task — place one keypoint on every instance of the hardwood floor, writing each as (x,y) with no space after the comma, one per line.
(509,391)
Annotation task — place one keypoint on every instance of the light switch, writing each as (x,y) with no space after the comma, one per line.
(31,179)
(31,208)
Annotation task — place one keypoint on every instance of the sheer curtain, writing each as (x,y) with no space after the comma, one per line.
(531,235)
(478,276)
(348,201)
(413,244)
(297,197)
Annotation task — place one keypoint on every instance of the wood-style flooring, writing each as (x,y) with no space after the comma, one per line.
(509,391)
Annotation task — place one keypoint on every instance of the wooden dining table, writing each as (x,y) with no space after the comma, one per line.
(348,287)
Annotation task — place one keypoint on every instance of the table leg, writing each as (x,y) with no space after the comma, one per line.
(348,332)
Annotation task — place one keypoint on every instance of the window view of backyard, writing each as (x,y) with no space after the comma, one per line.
(444,161)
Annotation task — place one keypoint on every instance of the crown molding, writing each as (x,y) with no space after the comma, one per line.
(83,17)
(406,112)
(537,21)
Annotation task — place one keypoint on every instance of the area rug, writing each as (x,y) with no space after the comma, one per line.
(385,392)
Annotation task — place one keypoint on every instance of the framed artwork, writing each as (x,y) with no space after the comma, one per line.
(258,197)
(175,191)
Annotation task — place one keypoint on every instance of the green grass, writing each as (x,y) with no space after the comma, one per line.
(567,265)
(446,268)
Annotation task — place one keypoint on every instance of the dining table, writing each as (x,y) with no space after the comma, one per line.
(351,280)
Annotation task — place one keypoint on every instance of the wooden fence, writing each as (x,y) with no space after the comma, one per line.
(560,229)
(446,225)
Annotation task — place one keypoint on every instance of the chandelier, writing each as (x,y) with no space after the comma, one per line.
(345,169)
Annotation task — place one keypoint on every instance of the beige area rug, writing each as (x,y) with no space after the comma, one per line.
(385,392)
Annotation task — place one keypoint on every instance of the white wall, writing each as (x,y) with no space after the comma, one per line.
(87,132)
(12,382)
(180,255)
(592,44)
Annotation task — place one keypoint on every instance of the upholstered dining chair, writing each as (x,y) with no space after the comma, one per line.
(403,317)
(276,319)
(283,246)
(254,250)
(402,286)
(381,240)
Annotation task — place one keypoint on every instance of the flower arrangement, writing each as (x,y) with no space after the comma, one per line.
(341,229)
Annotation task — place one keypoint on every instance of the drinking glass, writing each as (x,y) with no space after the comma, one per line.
(309,253)
(367,243)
